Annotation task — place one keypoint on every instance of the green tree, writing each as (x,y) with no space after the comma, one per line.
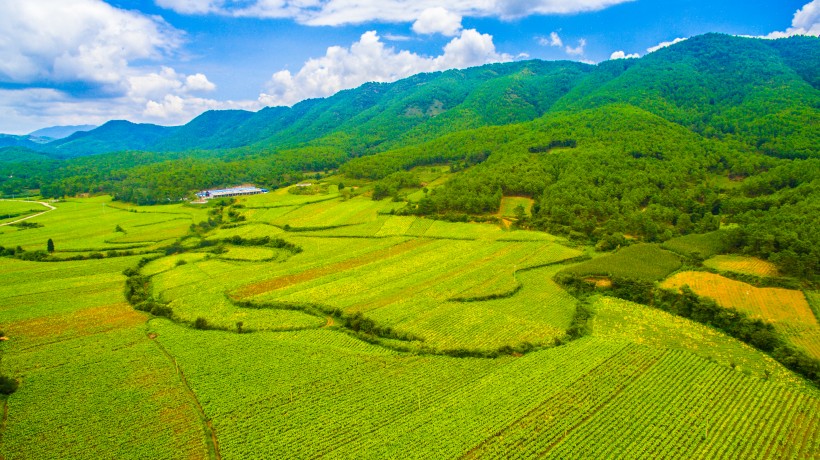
(50,245)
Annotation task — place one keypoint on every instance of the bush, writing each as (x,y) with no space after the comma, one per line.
(201,323)
(8,385)
(162,310)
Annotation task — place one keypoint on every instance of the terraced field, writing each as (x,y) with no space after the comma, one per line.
(787,309)
(257,360)
(742,264)
(75,342)
(353,401)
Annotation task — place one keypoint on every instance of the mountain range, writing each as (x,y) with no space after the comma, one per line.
(711,131)
(715,85)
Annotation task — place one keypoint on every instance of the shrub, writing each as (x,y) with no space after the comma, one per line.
(201,323)
(8,385)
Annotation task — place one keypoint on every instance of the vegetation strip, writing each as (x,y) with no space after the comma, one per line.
(208,428)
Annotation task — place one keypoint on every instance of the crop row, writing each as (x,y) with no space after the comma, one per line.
(689,408)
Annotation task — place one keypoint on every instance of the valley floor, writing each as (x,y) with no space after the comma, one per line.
(321,326)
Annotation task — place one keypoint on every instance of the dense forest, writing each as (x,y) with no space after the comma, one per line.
(713,132)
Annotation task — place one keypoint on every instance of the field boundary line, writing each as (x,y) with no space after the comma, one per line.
(50,208)
(210,432)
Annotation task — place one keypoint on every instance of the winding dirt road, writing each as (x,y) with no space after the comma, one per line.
(50,208)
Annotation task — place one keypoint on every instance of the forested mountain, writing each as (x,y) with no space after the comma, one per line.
(713,130)
(28,141)
(60,132)
(761,92)
(113,136)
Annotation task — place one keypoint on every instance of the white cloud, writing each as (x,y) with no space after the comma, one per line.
(192,6)
(578,50)
(664,45)
(78,41)
(553,40)
(806,21)
(370,60)
(24,110)
(623,55)
(198,82)
(341,12)
(51,47)
(437,21)
(397,38)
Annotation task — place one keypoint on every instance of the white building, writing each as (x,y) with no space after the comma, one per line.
(228,192)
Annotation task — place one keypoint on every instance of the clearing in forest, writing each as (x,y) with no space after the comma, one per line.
(510,203)
(698,245)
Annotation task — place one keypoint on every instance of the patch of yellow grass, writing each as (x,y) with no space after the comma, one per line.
(742,264)
(772,304)
(787,309)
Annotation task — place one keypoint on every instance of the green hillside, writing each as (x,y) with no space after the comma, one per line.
(522,260)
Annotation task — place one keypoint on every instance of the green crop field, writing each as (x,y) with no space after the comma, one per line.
(641,261)
(701,245)
(76,343)
(615,255)
(352,333)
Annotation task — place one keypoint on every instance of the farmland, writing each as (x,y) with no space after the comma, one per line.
(642,261)
(12,211)
(324,326)
(740,264)
(787,309)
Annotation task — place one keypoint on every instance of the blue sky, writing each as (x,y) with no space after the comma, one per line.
(166,61)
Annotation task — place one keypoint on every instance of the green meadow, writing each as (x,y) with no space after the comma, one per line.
(288,326)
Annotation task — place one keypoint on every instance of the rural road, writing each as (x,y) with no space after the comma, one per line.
(50,208)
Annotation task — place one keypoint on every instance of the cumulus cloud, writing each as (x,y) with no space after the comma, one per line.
(341,12)
(553,40)
(52,47)
(192,6)
(437,21)
(577,50)
(623,55)
(78,41)
(370,60)
(806,21)
(664,45)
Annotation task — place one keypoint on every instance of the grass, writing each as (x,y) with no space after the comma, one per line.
(91,224)
(509,203)
(788,309)
(74,340)
(101,380)
(699,245)
(742,264)
(351,400)
(13,210)
(646,262)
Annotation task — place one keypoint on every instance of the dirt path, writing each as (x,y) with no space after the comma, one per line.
(210,432)
(50,208)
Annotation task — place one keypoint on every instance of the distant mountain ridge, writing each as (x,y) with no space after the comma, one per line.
(60,132)
(716,85)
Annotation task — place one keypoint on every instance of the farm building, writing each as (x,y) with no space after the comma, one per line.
(228,192)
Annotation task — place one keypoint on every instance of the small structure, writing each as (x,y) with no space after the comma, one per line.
(228,192)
